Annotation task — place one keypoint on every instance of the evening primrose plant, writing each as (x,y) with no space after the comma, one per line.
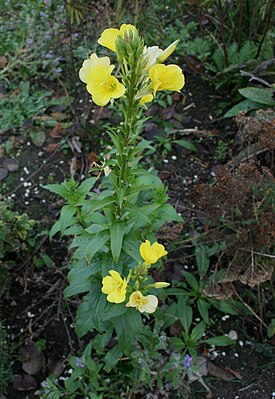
(115,246)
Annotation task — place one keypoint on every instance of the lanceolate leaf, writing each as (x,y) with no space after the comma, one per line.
(185,314)
(89,245)
(198,331)
(255,94)
(126,326)
(79,277)
(67,217)
(90,312)
(116,236)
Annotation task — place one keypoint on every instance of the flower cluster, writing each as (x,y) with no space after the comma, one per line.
(118,289)
(152,74)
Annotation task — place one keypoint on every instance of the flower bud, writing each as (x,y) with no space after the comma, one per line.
(161,285)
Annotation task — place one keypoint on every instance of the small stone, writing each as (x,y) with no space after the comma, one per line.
(11,164)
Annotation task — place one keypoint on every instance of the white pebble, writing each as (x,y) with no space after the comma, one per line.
(26,202)
(223,354)
(165,161)
(236,355)
(26,170)
(174,157)
(241,343)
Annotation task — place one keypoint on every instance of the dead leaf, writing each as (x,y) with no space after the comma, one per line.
(55,367)
(92,157)
(11,164)
(3,61)
(24,383)
(168,113)
(60,116)
(217,371)
(3,173)
(235,373)
(32,359)
(176,97)
(56,130)
(52,147)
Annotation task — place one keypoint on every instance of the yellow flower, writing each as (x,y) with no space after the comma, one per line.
(151,253)
(102,85)
(146,99)
(86,70)
(167,52)
(115,287)
(146,303)
(159,284)
(109,36)
(166,77)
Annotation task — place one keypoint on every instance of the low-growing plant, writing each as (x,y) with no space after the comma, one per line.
(114,225)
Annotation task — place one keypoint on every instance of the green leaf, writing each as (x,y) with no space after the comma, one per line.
(198,331)
(89,245)
(220,341)
(55,229)
(203,307)
(202,259)
(59,189)
(38,137)
(114,310)
(191,281)
(177,343)
(67,217)
(127,326)
(186,144)
(117,232)
(244,105)
(112,358)
(255,94)
(104,202)
(131,247)
(185,314)
(79,277)
(271,328)
(168,212)
(86,185)
(90,312)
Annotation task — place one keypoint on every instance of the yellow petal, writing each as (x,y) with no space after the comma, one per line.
(150,305)
(146,99)
(159,249)
(117,296)
(102,86)
(108,38)
(167,52)
(86,70)
(126,28)
(143,303)
(115,287)
(151,253)
(166,77)
(148,256)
